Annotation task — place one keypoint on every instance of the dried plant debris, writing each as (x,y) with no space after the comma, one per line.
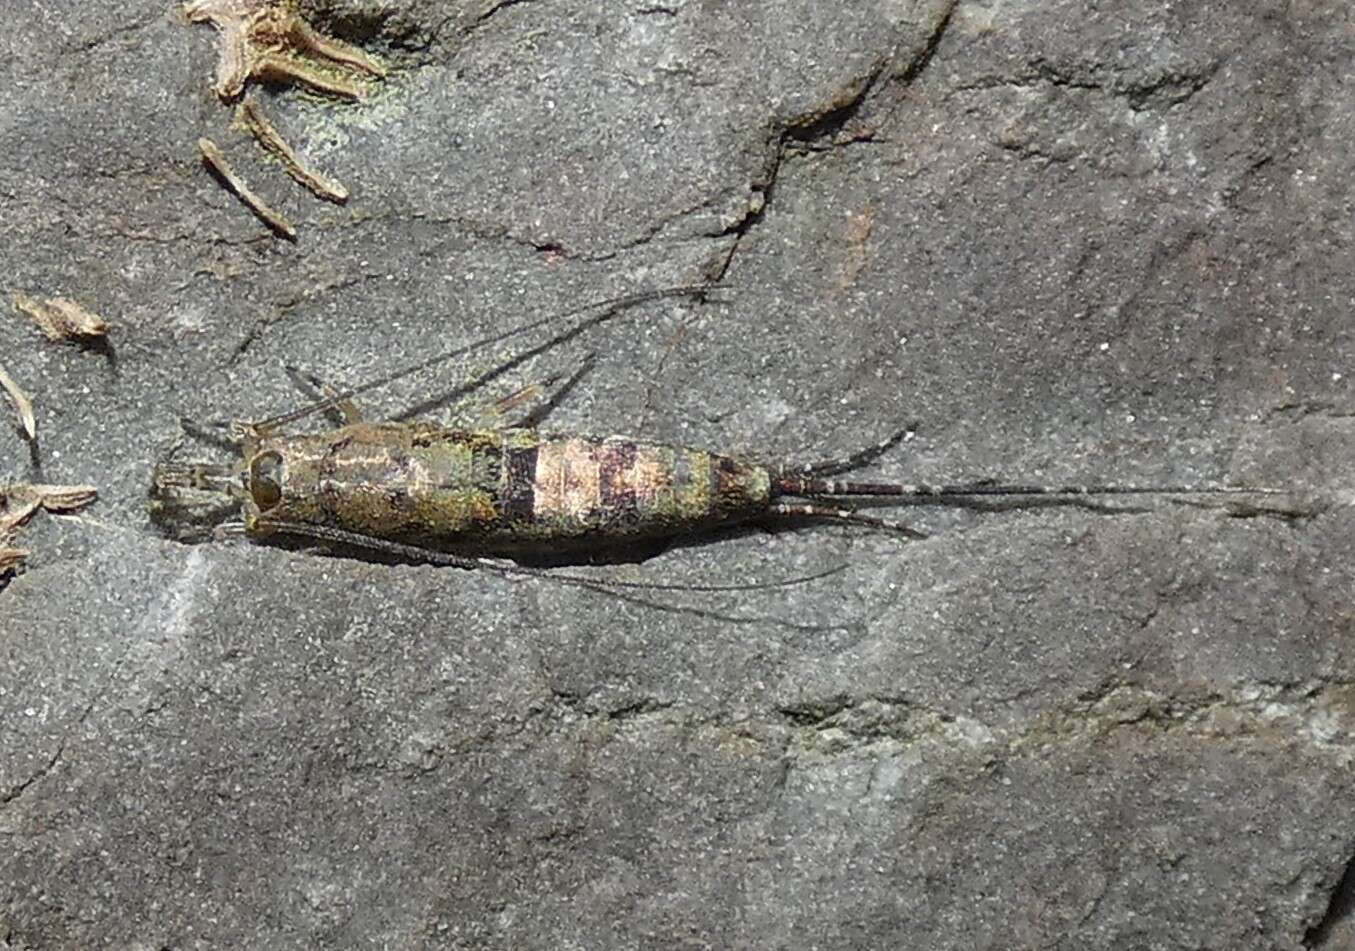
(212,155)
(11,559)
(19,502)
(62,319)
(252,116)
(269,41)
(23,404)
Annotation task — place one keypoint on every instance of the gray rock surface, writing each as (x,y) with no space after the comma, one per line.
(1061,241)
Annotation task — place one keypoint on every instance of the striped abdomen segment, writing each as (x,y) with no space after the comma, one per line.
(496,491)
(579,487)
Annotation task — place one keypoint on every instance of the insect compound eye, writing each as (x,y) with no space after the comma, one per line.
(266,473)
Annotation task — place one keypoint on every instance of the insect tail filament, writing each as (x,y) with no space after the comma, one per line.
(809,487)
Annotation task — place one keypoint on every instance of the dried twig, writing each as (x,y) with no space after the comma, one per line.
(251,114)
(53,498)
(270,41)
(212,154)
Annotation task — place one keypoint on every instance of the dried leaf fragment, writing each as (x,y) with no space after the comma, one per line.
(252,115)
(212,154)
(19,502)
(23,405)
(61,318)
(54,498)
(269,41)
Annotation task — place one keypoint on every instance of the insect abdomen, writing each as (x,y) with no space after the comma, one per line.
(507,491)
(612,489)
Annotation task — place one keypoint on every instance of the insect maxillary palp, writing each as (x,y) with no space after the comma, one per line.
(207,477)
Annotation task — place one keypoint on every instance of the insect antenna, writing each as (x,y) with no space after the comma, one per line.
(609,307)
(805,627)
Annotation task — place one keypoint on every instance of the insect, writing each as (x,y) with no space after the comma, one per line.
(423,492)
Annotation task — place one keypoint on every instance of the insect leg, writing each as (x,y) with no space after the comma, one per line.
(216,433)
(337,404)
(815,510)
(859,460)
(539,398)
(492,416)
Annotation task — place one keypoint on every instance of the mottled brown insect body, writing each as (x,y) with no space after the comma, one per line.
(451,496)
(508,492)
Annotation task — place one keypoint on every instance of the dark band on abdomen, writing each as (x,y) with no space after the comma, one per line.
(617,492)
(518,501)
